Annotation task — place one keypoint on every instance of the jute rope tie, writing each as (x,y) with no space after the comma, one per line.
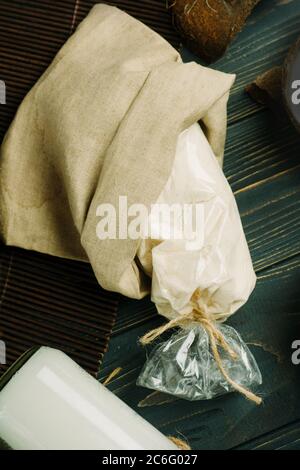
(180,443)
(216,339)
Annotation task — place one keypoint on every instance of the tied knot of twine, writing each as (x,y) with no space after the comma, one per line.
(216,337)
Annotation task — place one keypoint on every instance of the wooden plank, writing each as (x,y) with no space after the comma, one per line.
(262,166)
(268,323)
(258,148)
(285,438)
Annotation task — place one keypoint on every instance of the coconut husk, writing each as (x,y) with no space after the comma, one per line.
(267,90)
(209,26)
(274,88)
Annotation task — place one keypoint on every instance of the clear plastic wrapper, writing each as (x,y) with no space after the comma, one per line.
(198,283)
(185,366)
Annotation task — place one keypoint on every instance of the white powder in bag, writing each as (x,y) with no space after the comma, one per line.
(217,264)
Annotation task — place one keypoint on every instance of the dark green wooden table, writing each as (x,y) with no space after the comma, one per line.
(262,164)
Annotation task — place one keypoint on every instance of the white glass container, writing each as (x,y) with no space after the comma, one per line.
(48,402)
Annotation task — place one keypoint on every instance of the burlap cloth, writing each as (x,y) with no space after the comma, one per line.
(102,121)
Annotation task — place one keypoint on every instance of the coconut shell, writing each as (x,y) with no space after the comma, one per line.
(276,87)
(267,90)
(208,26)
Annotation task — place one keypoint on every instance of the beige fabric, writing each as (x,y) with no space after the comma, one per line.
(103,121)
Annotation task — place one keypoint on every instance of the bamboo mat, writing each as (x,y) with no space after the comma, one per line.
(44,300)
(32,32)
(54,302)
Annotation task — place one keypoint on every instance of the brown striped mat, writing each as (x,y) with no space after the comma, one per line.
(32,31)
(54,302)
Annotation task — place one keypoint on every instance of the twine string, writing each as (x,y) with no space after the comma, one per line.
(112,375)
(216,339)
(180,443)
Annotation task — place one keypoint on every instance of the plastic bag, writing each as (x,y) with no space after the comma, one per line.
(215,263)
(184,365)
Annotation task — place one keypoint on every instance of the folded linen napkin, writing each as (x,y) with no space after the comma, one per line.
(102,121)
